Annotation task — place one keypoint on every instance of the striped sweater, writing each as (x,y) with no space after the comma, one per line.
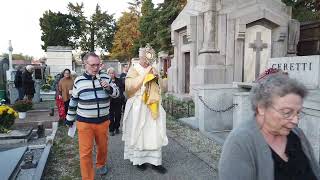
(90,102)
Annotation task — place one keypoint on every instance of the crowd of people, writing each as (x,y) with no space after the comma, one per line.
(96,101)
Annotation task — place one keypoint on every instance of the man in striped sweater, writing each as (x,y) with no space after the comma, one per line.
(89,105)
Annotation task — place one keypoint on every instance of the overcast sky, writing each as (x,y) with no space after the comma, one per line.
(20,20)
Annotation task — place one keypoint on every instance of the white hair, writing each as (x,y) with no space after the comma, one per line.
(29,67)
(110,69)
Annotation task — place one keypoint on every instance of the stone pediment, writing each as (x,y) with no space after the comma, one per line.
(192,8)
(251,10)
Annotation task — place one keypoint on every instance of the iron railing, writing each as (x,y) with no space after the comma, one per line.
(178,108)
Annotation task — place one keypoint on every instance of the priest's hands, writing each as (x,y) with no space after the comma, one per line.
(152,70)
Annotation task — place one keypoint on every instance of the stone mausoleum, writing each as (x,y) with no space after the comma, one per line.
(225,41)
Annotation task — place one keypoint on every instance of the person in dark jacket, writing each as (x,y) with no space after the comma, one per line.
(18,82)
(115,105)
(28,82)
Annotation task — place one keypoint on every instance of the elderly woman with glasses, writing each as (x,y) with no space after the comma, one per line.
(271,146)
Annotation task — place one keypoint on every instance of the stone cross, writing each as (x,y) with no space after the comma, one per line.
(10,55)
(258,46)
(9,73)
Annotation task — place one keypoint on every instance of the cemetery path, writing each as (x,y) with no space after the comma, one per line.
(179,161)
(188,155)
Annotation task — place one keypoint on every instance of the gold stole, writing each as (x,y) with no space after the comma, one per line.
(151,95)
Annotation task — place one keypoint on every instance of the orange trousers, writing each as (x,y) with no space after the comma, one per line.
(87,133)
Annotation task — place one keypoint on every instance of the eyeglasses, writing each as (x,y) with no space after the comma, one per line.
(94,65)
(289,113)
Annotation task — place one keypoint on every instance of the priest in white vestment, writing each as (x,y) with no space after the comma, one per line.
(144,121)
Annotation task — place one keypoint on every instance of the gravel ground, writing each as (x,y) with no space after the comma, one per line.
(195,142)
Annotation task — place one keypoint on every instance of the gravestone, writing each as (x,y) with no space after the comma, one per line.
(4,66)
(259,59)
(305,69)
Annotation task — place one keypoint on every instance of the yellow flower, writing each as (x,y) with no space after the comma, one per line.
(10,111)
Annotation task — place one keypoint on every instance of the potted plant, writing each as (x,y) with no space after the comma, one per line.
(7,117)
(46,87)
(22,106)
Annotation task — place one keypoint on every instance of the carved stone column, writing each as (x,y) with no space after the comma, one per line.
(293,37)
(210,29)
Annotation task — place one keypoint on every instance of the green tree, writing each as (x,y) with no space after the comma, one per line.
(304,10)
(59,29)
(147,27)
(77,11)
(166,14)
(155,24)
(102,27)
(96,32)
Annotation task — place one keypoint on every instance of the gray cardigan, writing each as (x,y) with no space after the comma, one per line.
(247,156)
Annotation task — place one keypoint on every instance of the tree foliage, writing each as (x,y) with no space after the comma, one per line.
(167,13)
(77,31)
(59,29)
(125,36)
(304,10)
(96,32)
(147,26)
(155,24)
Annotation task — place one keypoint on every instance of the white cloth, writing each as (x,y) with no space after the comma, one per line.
(143,136)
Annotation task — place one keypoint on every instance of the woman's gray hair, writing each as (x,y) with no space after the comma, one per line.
(277,84)
(110,69)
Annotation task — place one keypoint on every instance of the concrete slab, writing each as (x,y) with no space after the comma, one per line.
(15,136)
(35,117)
(9,161)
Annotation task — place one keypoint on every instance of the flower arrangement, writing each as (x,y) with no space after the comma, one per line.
(7,117)
(22,105)
(46,87)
